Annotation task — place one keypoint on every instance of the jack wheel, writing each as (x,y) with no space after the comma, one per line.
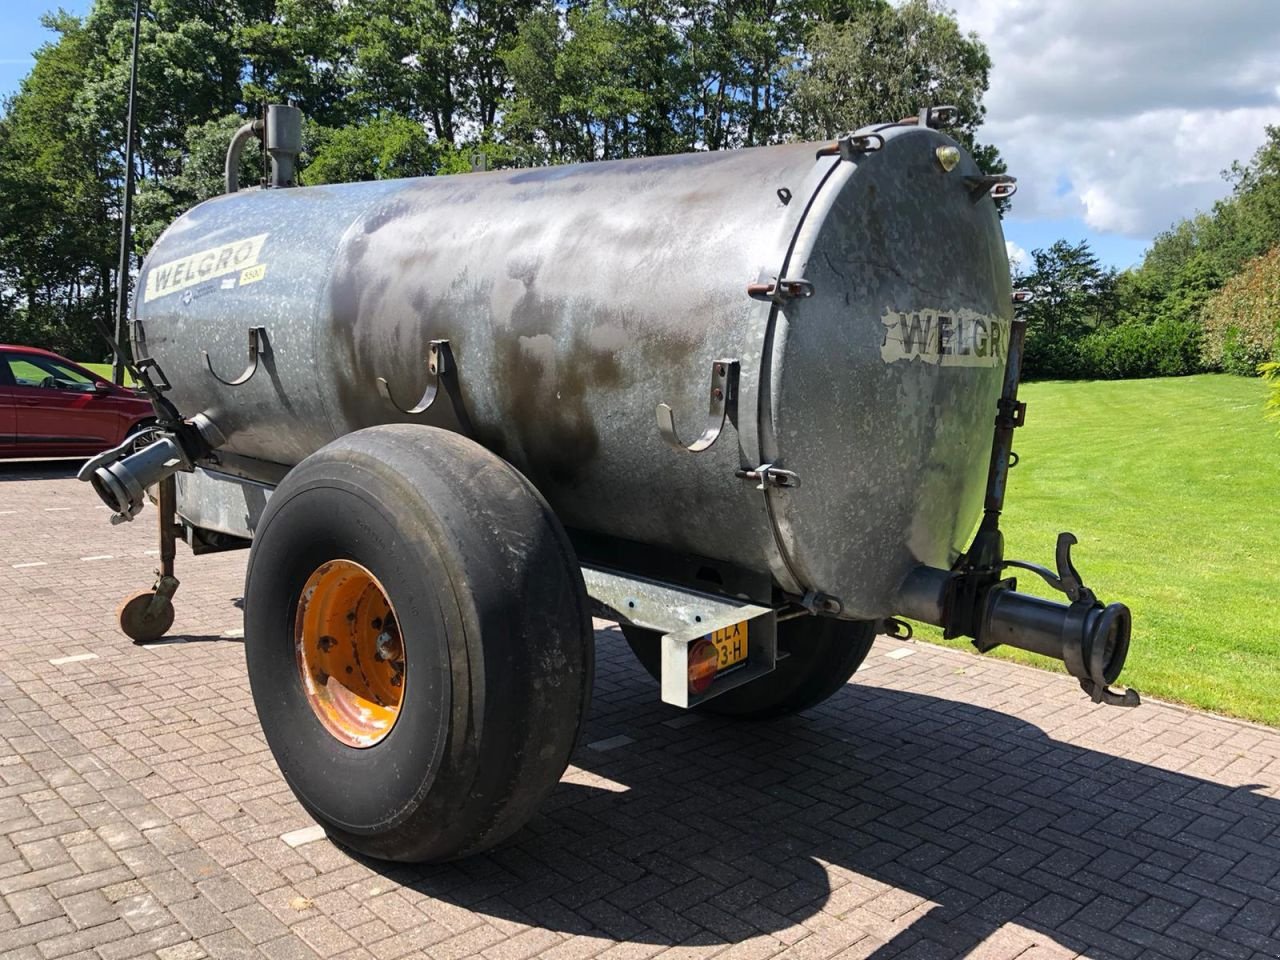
(142,623)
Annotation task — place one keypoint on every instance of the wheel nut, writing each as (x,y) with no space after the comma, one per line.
(387,647)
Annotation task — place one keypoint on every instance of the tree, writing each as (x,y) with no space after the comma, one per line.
(57,211)
(1074,295)
(618,78)
(1242,320)
(604,82)
(303,51)
(1191,261)
(1271,373)
(1073,292)
(881,63)
(405,87)
(387,146)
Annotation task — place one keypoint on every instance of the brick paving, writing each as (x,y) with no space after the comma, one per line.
(941,805)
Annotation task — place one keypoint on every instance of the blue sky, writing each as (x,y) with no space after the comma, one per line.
(21,33)
(1117,116)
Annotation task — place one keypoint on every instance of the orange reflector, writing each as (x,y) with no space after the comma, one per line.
(704,660)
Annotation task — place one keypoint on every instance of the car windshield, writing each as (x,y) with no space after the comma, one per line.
(34,371)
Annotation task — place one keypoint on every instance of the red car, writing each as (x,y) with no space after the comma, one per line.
(51,407)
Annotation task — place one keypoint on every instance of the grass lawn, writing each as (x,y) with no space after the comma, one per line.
(1173,487)
(104,371)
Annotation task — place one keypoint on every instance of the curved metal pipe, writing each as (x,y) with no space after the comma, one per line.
(236,150)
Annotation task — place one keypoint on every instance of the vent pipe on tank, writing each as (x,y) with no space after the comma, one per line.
(280,130)
(284,143)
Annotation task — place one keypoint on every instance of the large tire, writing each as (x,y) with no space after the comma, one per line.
(822,655)
(494,638)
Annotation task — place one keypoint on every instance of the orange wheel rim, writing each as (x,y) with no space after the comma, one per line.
(350,653)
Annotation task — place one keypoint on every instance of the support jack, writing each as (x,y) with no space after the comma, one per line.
(147,616)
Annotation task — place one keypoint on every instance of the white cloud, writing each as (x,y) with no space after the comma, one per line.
(1124,113)
(1018,257)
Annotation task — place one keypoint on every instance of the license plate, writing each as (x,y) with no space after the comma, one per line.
(732,644)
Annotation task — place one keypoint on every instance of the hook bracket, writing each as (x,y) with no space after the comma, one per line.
(723,405)
(257,347)
(442,372)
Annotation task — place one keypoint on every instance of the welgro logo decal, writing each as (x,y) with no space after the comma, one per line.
(949,338)
(235,257)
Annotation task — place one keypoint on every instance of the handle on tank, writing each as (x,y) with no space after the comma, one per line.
(1000,186)
(723,406)
(257,347)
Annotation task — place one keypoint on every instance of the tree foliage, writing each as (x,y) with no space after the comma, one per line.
(1242,320)
(856,72)
(1206,296)
(1187,274)
(409,87)
(1271,373)
(1073,297)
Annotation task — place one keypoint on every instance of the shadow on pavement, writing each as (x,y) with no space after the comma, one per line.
(39,469)
(944,820)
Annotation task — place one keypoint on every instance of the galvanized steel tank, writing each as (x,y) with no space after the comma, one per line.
(576,299)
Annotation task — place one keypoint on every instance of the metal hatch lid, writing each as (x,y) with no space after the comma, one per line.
(890,456)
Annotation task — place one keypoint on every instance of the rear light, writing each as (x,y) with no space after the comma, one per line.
(704,660)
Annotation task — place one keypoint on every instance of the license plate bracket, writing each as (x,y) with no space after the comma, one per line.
(746,638)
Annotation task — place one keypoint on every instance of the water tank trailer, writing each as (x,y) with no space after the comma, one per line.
(740,402)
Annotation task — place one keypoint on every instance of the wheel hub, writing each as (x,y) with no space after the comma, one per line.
(350,653)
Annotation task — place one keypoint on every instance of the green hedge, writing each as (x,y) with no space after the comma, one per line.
(1242,320)
(1165,348)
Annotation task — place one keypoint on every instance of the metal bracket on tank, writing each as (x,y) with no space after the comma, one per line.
(999,185)
(770,475)
(852,147)
(442,371)
(150,369)
(257,346)
(780,289)
(937,117)
(723,406)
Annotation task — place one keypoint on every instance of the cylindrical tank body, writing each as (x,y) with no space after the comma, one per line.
(576,299)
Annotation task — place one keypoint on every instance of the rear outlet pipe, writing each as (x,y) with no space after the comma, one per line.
(976,600)
(1090,639)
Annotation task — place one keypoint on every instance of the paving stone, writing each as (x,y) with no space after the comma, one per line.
(33,905)
(941,806)
(89,909)
(182,951)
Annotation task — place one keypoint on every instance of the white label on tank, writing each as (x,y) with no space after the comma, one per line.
(166,278)
(949,338)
